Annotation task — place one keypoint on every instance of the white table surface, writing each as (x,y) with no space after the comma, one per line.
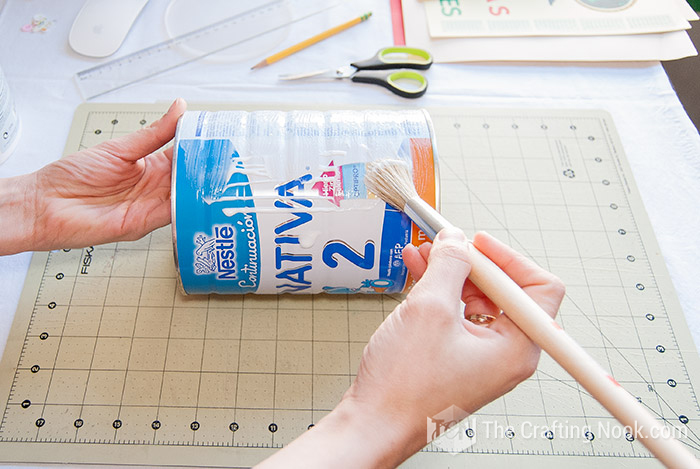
(660,141)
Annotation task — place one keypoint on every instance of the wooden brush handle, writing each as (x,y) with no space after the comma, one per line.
(545,332)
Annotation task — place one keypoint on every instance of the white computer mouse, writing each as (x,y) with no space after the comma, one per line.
(101,26)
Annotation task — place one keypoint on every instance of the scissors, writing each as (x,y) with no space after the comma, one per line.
(390,67)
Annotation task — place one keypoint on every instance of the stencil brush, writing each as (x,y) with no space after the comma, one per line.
(391,180)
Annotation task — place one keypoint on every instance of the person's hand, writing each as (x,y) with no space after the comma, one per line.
(117,190)
(426,357)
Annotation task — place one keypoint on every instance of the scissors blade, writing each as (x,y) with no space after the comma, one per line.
(314,73)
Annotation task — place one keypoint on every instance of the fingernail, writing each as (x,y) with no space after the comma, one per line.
(452,234)
(175,103)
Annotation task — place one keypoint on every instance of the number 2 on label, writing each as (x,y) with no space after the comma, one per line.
(341,248)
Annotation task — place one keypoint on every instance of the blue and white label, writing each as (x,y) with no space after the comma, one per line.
(264,203)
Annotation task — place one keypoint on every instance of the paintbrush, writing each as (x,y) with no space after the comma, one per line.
(391,180)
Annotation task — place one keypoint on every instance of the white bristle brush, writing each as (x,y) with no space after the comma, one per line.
(391,180)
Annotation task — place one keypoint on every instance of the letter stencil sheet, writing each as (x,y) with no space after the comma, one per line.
(107,363)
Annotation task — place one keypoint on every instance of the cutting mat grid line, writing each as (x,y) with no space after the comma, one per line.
(588,280)
(106,353)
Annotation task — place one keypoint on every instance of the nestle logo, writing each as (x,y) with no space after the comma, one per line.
(225,252)
(216,254)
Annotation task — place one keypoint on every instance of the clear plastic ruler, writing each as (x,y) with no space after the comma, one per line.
(261,19)
(107,363)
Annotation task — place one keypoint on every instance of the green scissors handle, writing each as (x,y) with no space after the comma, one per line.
(393,79)
(397,57)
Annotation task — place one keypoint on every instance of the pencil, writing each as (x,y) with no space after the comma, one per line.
(311,41)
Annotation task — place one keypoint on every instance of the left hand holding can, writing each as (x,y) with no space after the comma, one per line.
(117,190)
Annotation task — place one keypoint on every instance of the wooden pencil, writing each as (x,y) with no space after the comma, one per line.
(311,41)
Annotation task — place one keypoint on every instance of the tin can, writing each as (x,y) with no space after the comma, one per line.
(9,121)
(275,202)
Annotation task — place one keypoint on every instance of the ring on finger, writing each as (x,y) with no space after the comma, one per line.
(481,319)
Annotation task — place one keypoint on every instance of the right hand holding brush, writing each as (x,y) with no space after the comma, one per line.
(426,357)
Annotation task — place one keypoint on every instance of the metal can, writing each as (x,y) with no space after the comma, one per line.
(9,122)
(275,202)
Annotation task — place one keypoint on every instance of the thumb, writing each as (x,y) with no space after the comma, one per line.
(448,266)
(149,139)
